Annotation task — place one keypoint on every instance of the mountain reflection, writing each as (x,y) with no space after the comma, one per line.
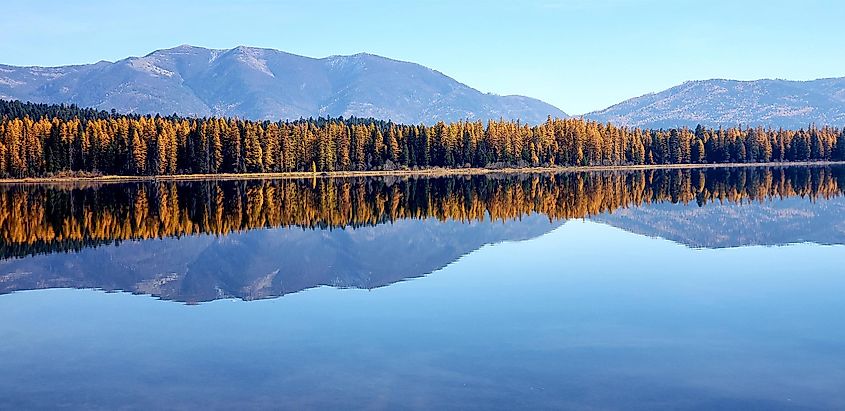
(258,239)
(265,263)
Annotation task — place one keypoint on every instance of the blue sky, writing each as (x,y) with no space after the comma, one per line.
(580,55)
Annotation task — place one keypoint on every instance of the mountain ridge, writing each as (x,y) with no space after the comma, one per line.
(266,84)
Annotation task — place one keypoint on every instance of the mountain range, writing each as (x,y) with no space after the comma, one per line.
(267,84)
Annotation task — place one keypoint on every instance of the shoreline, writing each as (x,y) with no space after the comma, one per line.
(429,172)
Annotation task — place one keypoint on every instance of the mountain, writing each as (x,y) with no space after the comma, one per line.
(259,83)
(714,103)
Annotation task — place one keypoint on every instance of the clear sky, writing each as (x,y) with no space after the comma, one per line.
(580,55)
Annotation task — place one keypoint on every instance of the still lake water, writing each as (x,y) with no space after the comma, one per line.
(693,289)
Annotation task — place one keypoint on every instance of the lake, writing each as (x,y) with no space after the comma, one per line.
(665,289)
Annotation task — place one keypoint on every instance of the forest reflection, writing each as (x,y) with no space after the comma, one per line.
(37,219)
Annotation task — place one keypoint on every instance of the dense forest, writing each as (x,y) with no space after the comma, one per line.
(43,140)
(44,218)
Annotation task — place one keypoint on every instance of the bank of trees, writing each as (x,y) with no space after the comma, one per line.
(41,140)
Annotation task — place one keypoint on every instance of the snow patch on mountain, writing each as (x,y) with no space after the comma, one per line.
(10,82)
(253,59)
(147,65)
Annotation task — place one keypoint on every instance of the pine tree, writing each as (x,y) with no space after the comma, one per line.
(138,150)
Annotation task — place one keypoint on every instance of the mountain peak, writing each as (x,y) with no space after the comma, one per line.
(182,48)
(187,47)
(250,49)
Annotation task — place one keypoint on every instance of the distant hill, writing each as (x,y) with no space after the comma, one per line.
(714,103)
(261,84)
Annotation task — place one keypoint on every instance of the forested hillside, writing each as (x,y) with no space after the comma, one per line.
(41,140)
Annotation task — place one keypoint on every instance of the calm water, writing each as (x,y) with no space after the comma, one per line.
(693,289)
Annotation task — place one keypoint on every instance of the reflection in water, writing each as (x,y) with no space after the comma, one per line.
(265,263)
(203,241)
(548,323)
(43,219)
(258,239)
(775,222)
(581,315)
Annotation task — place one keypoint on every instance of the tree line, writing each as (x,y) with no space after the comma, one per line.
(41,218)
(43,140)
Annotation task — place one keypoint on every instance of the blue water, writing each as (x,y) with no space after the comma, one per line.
(585,316)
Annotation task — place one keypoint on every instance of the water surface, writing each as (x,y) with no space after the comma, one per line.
(693,289)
